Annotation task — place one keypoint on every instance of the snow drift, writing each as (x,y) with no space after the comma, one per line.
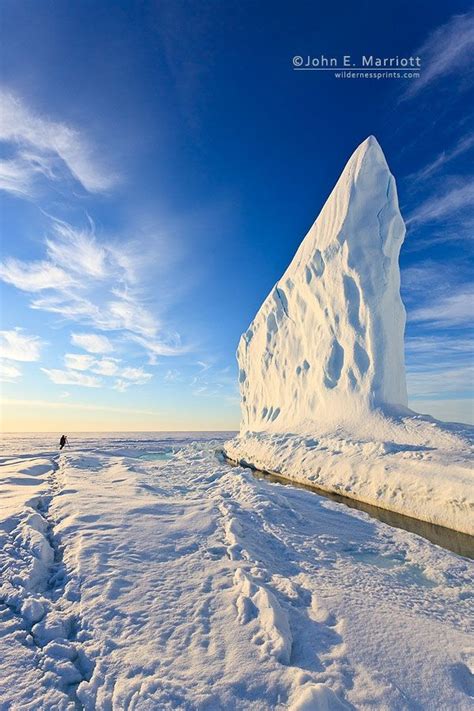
(321,367)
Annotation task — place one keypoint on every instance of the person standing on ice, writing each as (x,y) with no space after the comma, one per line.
(63,441)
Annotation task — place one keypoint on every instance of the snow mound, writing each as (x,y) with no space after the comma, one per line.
(256,601)
(318,697)
(321,366)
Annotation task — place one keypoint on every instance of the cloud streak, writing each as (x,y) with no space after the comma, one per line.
(34,276)
(443,204)
(452,309)
(94,284)
(16,345)
(72,377)
(45,148)
(465,144)
(9,373)
(438,294)
(447,51)
(108,367)
(92,342)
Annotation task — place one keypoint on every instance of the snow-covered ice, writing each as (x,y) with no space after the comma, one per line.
(184,583)
(321,366)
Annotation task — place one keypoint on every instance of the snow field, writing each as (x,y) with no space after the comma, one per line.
(187,584)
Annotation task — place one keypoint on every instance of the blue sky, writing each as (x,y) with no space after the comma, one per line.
(161,162)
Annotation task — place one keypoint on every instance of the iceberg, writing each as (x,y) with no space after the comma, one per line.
(322,372)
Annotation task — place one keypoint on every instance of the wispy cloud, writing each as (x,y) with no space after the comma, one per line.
(136,375)
(17,345)
(92,342)
(446,52)
(18,175)
(435,348)
(34,276)
(9,373)
(78,361)
(77,250)
(464,144)
(444,204)
(213,382)
(438,294)
(439,367)
(93,283)
(131,376)
(45,148)
(160,347)
(107,367)
(447,382)
(72,377)
(452,309)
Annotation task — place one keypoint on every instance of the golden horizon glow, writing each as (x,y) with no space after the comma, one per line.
(43,416)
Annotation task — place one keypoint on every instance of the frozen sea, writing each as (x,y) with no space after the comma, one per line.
(141,571)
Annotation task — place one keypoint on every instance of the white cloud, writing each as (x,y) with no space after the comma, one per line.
(106,366)
(77,250)
(70,306)
(429,349)
(45,147)
(16,345)
(93,284)
(451,309)
(443,381)
(156,348)
(72,377)
(447,51)
(444,204)
(76,361)
(34,276)
(133,317)
(9,373)
(92,342)
(439,366)
(17,176)
(438,294)
(137,375)
(131,376)
(463,145)
(89,282)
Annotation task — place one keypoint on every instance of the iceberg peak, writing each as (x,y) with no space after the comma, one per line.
(327,344)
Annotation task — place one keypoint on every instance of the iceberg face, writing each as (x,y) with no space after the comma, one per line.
(326,346)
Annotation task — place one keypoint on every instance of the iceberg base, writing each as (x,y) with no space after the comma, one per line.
(415,466)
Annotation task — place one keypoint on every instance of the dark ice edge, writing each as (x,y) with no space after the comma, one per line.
(455,541)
